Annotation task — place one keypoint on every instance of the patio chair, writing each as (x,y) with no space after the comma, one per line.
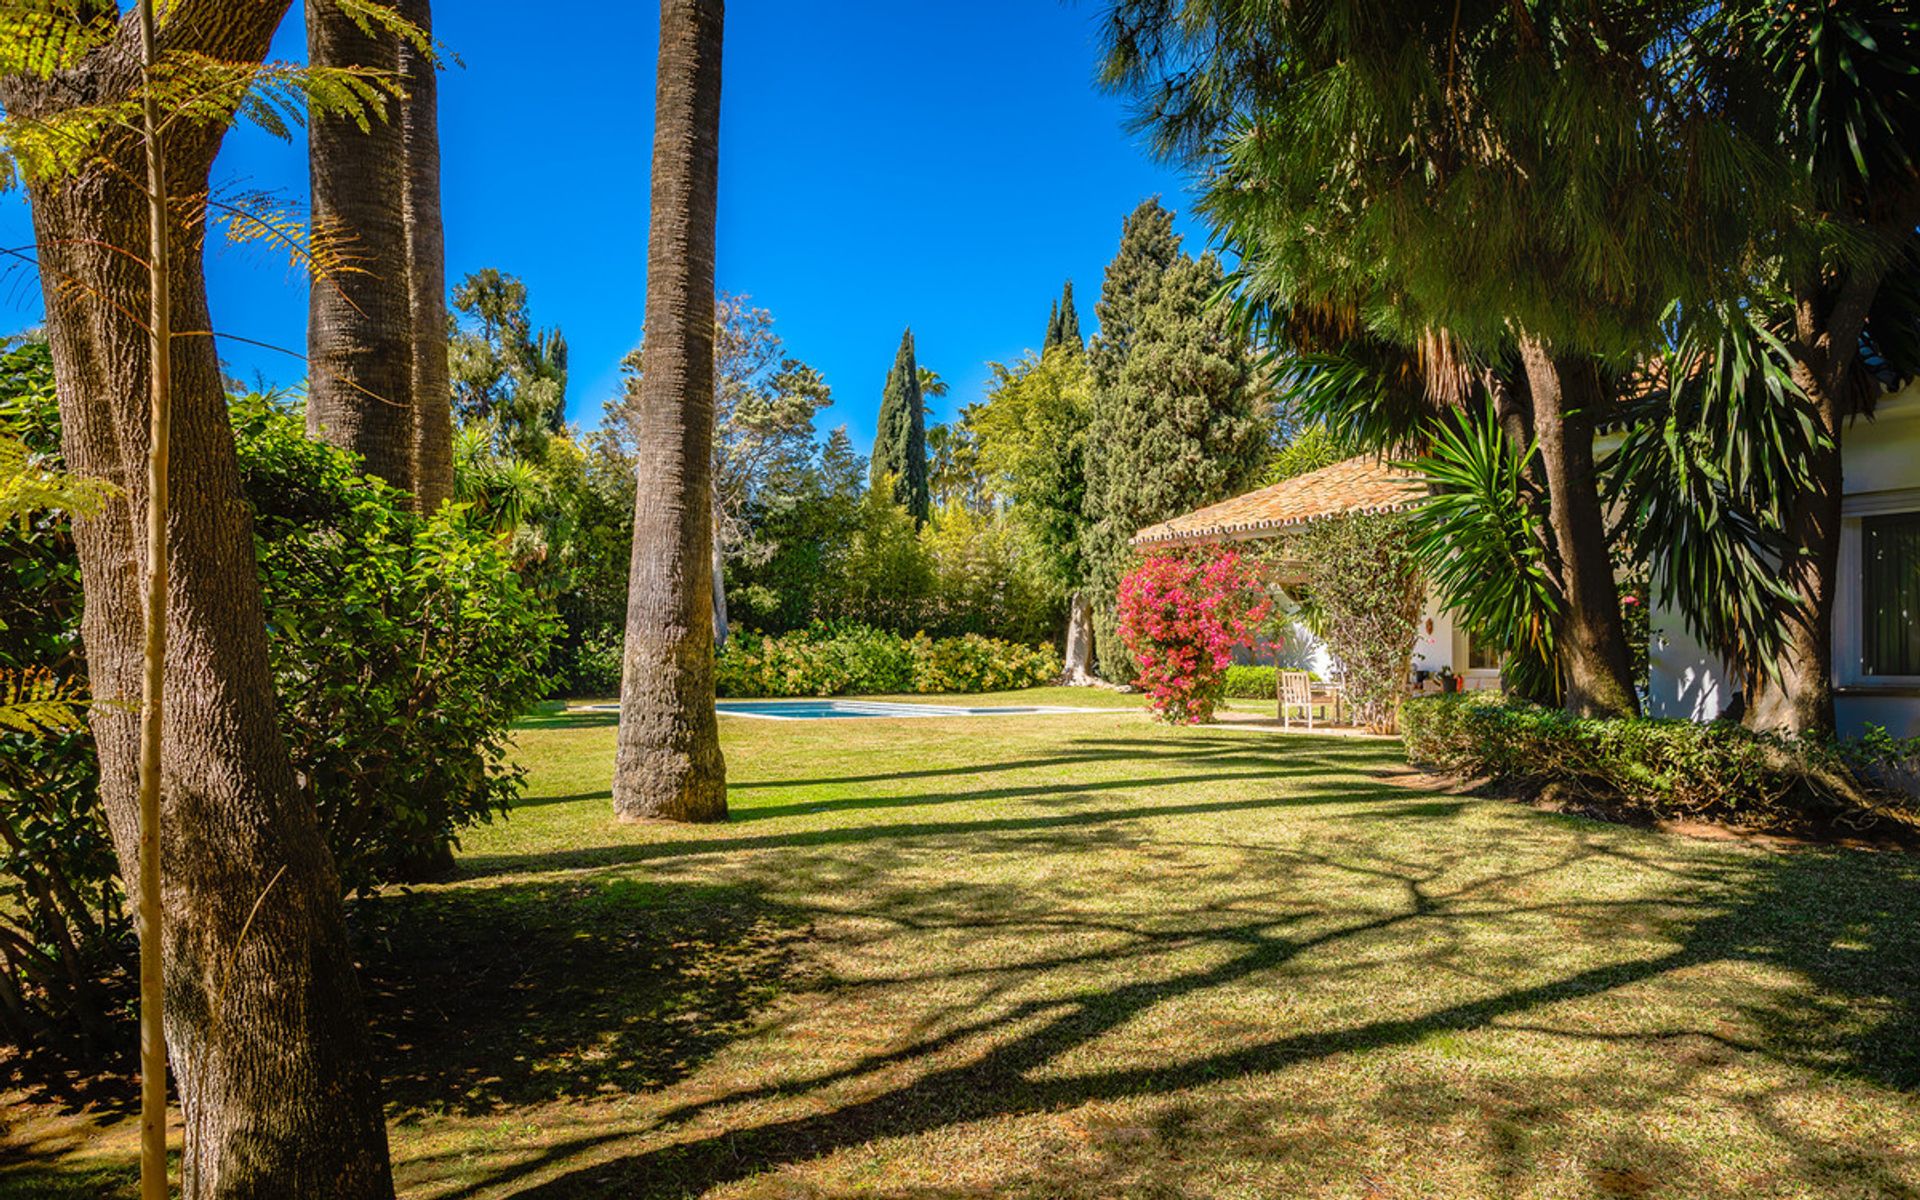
(1296,691)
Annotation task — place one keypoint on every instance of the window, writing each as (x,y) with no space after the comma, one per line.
(1482,656)
(1890,594)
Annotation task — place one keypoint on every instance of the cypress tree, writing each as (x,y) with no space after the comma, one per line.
(1148,246)
(900,443)
(1182,423)
(1053,328)
(1069,321)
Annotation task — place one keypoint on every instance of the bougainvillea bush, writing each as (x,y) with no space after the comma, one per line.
(1181,618)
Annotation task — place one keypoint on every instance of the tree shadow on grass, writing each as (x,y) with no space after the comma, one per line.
(1841,924)
(485,999)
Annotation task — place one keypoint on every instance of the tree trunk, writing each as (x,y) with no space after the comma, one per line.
(719,584)
(1798,698)
(1079,663)
(1591,638)
(669,764)
(269,1044)
(426,269)
(360,322)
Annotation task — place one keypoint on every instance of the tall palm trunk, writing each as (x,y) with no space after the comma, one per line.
(360,319)
(268,1041)
(426,268)
(669,764)
(1592,640)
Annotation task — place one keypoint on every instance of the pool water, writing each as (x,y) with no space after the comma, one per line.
(813,710)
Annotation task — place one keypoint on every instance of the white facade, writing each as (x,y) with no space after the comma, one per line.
(1881,458)
(1438,645)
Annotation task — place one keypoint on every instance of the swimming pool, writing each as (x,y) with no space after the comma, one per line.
(813,710)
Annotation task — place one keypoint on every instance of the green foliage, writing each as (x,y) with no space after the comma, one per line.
(1179,418)
(1252,683)
(1477,170)
(1706,477)
(508,377)
(402,648)
(900,443)
(1482,537)
(832,660)
(64,932)
(1363,577)
(1311,447)
(1032,433)
(1660,768)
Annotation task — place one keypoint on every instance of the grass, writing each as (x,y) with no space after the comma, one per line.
(1086,956)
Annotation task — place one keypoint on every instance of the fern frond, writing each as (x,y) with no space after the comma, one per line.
(27,487)
(39,703)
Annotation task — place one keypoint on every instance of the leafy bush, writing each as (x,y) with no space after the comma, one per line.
(1180,618)
(401,649)
(832,660)
(1363,581)
(1252,683)
(1664,768)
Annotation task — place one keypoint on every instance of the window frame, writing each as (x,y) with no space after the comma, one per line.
(1849,650)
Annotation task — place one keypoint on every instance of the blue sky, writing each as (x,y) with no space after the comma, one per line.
(941,165)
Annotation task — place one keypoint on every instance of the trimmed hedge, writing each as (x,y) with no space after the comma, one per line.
(1253,683)
(1663,768)
(857,659)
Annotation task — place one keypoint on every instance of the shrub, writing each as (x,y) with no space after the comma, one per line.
(1364,585)
(1180,619)
(1663,768)
(832,660)
(1252,683)
(401,650)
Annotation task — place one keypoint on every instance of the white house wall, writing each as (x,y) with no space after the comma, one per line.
(1882,474)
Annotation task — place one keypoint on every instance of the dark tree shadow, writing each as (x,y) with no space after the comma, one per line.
(1843,922)
(484,999)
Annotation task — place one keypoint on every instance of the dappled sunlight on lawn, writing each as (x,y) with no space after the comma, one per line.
(1090,957)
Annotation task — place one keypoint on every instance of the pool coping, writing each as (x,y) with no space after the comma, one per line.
(889,709)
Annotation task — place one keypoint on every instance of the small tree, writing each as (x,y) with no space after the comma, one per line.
(1363,584)
(1181,619)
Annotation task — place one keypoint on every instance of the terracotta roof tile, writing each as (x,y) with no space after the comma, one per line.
(1361,484)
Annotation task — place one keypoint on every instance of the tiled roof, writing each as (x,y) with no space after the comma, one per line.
(1361,484)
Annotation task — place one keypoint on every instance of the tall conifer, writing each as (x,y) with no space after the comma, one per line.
(1179,419)
(1069,333)
(900,443)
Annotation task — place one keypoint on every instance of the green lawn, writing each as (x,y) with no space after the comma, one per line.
(1087,956)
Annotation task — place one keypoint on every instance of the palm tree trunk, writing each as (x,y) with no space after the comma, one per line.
(360,320)
(1591,637)
(720,623)
(263,1019)
(669,764)
(426,269)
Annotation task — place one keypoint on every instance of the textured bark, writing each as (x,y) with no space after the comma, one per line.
(720,622)
(1798,698)
(669,764)
(269,1044)
(1079,662)
(426,270)
(360,320)
(1566,394)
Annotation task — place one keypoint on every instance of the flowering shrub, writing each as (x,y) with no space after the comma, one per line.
(1180,619)
(832,660)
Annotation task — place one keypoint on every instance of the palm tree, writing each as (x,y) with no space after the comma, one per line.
(426,266)
(279,1098)
(360,322)
(669,764)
